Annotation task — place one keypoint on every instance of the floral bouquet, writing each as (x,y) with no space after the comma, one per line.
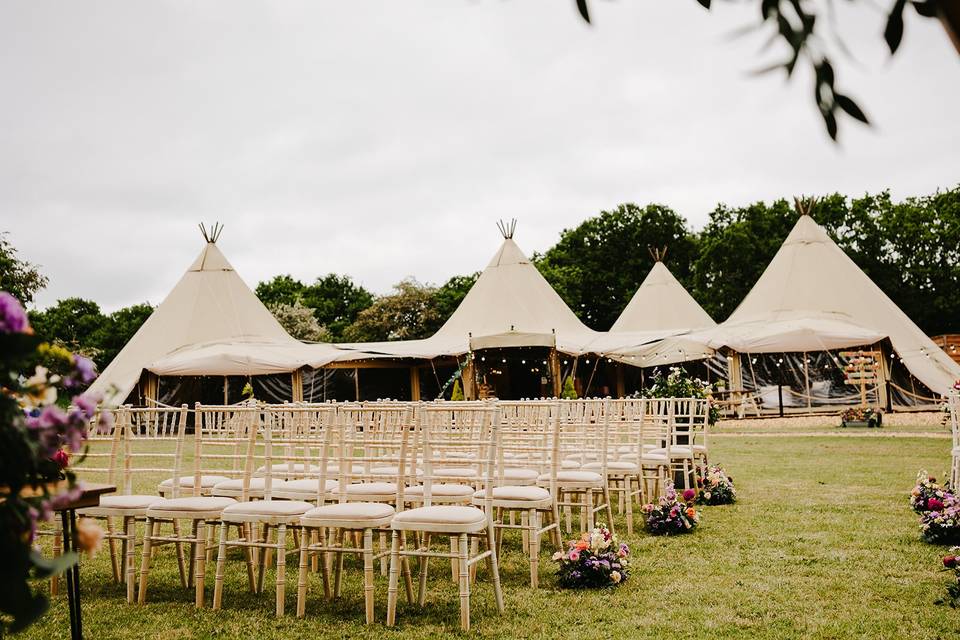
(942,526)
(671,514)
(872,417)
(43,419)
(679,384)
(597,559)
(928,495)
(952,563)
(716,487)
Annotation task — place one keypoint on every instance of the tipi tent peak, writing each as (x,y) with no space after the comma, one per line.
(209,304)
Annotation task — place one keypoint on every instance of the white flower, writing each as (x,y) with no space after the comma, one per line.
(40,389)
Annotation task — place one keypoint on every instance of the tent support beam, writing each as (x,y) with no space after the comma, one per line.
(555,374)
(296,386)
(414,384)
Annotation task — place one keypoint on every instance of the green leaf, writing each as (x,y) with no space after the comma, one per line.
(584,11)
(45,567)
(893,33)
(851,108)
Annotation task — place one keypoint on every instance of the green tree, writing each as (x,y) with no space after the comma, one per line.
(299,322)
(335,300)
(19,278)
(408,313)
(598,266)
(450,294)
(569,391)
(119,327)
(281,290)
(74,322)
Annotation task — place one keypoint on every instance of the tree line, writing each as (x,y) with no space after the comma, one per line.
(910,248)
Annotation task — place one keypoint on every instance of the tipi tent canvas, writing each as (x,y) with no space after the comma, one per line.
(210,305)
(813,298)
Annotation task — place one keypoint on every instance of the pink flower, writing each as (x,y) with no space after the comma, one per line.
(934,504)
(689,494)
(574,556)
(62,458)
(950,561)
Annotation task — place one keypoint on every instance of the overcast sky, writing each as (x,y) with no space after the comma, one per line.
(384,139)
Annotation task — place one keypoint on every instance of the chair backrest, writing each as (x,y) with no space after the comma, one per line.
(298,431)
(102,461)
(625,435)
(953,401)
(584,431)
(374,442)
(689,421)
(224,443)
(458,437)
(527,435)
(149,434)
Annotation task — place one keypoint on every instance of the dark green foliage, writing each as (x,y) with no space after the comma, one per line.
(336,301)
(597,266)
(19,278)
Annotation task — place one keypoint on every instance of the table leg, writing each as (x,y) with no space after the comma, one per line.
(69,518)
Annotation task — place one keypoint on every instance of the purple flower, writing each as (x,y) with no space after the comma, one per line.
(84,368)
(13,319)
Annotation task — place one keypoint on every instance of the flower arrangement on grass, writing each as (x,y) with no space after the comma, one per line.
(43,419)
(679,384)
(596,560)
(942,525)
(868,415)
(716,487)
(951,563)
(928,495)
(672,514)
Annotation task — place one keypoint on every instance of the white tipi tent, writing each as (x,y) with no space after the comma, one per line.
(210,305)
(662,304)
(813,297)
(510,305)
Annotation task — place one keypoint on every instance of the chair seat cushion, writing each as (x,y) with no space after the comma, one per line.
(195,504)
(372,489)
(651,459)
(267,508)
(515,494)
(586,478)
(285,467)
(675,452)
(570,464)
(135,502)
(613,465)
(392,470)
(348,515)
(235,487)
(206,482)
(455,472)
(441,489)
(443,518)
(520,474)
(308,487)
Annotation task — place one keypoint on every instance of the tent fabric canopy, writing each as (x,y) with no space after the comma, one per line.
(209,304)
(813,297)
(661,303)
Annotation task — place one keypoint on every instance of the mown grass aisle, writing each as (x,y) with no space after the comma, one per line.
(820,544)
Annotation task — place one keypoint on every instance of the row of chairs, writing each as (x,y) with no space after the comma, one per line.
(384,480)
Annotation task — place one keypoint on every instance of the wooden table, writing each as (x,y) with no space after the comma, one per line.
(68,514)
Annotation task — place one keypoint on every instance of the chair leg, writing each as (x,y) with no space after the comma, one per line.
(588,507)
(249,557)
(57,551)
(146,553)
(424,570)
(609,508)
(185,579)
(338,563)
(394,575)
(281,568)
(534,523)
(454,550)
(192,572)
(305,537)
(383,547)
(130,524)
(201,561)
(112,548)
(494,565)
(262,556)
(463,545)
(368,574)
(405,569)
(221,565)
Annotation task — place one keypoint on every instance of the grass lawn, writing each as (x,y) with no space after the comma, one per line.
(821,544)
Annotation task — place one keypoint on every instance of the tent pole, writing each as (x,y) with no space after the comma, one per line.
(883,379)
(226,390)
(555,374)
(356,384)
(414,383)
(621,385)
(469,378)
(806,381)
(296,385)
(735,380)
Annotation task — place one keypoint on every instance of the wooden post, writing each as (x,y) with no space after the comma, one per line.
(296,386)
(414,383)
(883,377)
(356,384)
(735,380)
(226,390)
(806,381)
(555,373)
(468,377)
(151,389)
(621,384)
